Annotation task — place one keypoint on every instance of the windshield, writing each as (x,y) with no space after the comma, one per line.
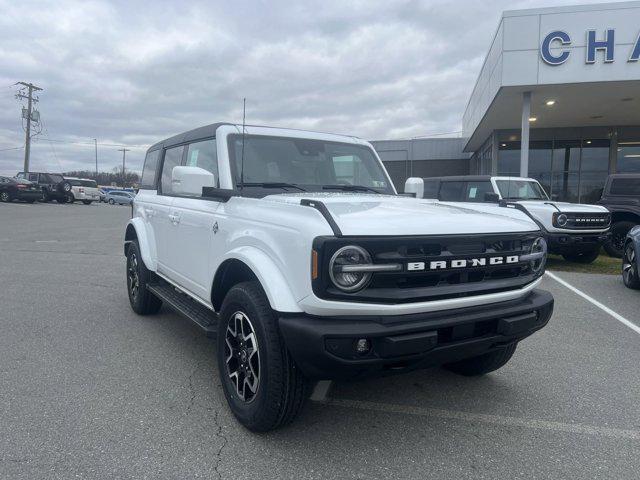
(521,190)
(299,164)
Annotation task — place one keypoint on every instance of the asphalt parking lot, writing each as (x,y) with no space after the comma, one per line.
(88,389)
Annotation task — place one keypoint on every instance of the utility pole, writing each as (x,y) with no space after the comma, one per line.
(124,153)
(95,141)
(30,101)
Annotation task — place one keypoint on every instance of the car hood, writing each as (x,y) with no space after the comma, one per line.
(564,207)
(370,214)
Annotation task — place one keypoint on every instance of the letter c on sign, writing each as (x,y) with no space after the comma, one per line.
(545,48)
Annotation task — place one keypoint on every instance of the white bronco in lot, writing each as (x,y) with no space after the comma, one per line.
(575,231)
(294,250)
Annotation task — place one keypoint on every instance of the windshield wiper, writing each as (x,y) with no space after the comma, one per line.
(271,185)
(350,188)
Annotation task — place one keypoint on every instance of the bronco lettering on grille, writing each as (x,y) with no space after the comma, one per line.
(462,263)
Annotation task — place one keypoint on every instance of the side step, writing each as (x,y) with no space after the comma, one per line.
(186,306)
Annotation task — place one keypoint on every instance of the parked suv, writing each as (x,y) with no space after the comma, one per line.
(18,189)
(621,195)
(53,185)
(575,231)
(294,250)
(84,190)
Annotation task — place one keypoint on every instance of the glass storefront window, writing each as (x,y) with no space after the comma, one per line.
(628,157)
(509,159)
(564,186)
(566,155)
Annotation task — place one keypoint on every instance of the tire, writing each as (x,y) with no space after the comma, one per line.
(65,187)
(615,246)
(485,363)
(588,256)
(142,301)
(630,275)
(281,390)
(86,202)
(5,197)
(111,201)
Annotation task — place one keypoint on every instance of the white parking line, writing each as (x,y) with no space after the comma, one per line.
(501,420)
(604,308)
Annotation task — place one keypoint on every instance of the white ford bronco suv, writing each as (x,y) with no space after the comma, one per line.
(294,250)
(575,231)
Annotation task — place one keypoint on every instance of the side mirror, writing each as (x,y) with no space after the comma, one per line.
(491,197)
(414,185)
(190,180)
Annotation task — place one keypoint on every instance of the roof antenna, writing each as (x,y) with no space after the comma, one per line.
(244,110)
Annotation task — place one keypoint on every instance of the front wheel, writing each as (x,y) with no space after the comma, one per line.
(112,201)
(263,386)
(5,197)
(630,267)
(142,301)
(86,202)
(615,245)
(588,256)
(485,363)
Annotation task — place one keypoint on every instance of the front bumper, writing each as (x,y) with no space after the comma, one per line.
(324,347)
(560,243)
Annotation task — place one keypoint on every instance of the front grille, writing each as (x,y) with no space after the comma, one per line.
(462,274)
(587,221)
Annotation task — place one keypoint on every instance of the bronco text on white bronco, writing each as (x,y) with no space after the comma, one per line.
(294,250)
(575,231)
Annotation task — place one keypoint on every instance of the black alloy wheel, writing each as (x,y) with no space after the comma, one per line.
(242,355)
(630,267)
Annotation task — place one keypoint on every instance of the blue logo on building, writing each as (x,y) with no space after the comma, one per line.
(553,55)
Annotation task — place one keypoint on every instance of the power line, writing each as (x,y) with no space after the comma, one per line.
(92,144)
(12,148)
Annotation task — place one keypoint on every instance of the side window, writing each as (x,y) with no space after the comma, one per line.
(21,175)
(430,188)
(625,186)
(172,158)
(451,191)
(33,177)
(148,179)
(204,155)
(475,191)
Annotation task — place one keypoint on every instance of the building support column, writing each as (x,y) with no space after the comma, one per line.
(524,136)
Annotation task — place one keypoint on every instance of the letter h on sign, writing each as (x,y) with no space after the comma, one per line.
(607,45)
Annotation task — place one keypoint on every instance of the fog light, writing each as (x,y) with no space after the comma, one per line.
(363,346)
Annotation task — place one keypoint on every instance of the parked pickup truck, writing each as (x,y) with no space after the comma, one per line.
(575,231)
(621,196)
(294,250)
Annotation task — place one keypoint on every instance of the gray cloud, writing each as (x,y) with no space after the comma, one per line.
(135,72)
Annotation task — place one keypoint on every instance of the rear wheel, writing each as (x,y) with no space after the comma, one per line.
(111,201)
(5,197)
(142,301)
(485,363)
(263,386)
(588,256)
(86,202)
(630,267)
(615,246)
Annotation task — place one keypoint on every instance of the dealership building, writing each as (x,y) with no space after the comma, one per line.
(557,99)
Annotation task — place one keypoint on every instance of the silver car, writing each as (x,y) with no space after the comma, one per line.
(120,197)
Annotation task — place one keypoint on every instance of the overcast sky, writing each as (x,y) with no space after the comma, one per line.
(135,72)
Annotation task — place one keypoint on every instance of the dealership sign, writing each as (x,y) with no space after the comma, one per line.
(606,45)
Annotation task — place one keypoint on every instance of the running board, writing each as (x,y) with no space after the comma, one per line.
(186,306)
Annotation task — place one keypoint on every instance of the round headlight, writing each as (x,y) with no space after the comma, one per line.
(562,220)
(343,268)
(538,246)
